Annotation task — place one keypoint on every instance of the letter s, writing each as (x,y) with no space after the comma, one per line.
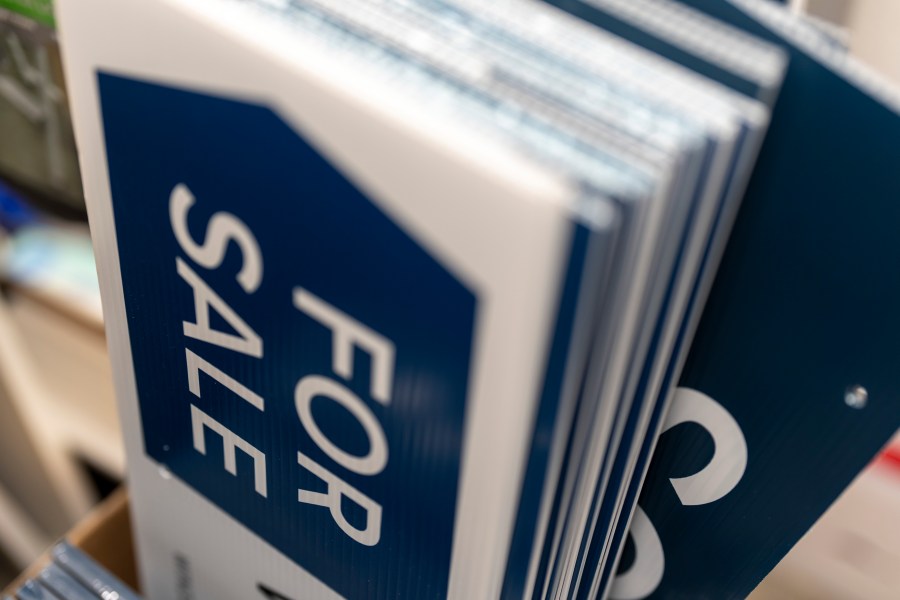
(646,572)
(729,460)
(223,228)
(721,475)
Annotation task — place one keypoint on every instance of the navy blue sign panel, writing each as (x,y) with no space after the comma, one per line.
(301,362)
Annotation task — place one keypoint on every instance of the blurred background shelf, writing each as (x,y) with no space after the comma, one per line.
(867,28)
(60,442)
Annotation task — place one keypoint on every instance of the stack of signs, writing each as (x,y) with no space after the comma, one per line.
(781,403)
(396,291)
(73,575)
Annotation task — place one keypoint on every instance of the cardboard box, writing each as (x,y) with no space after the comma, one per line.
(105,534)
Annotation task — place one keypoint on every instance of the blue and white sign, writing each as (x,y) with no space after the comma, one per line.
(301,362)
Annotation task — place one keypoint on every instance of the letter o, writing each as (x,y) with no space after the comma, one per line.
(315,385)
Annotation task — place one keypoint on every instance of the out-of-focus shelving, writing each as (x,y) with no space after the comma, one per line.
(57,407)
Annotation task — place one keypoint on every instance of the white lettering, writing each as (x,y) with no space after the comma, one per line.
(195,364)
(223,228)
(348,332)
(711,483)
(246,342)
(729,460)
(314,385)
(646,572)
(337,490)
(230,441)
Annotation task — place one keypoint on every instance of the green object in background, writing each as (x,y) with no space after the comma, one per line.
(38,10)
(37,146)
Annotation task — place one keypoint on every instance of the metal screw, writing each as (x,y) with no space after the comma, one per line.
(856,396)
